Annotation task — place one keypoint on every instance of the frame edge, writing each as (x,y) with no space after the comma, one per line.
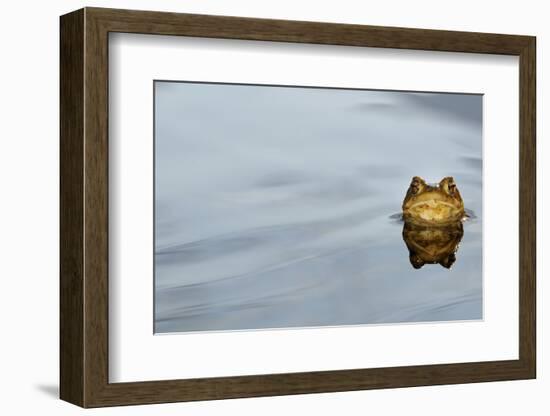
(71,290)
(528,207)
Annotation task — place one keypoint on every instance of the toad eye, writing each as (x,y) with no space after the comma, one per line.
(452,188)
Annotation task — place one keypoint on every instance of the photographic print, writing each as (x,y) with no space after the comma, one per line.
(297,207)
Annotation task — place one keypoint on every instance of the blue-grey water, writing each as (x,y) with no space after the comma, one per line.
(275,207)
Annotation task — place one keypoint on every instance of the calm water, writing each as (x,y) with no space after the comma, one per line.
(275,207)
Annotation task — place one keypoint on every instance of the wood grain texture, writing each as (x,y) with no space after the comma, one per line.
(527,207)
(96,208)
(71,297)
(162,23)
(84,207)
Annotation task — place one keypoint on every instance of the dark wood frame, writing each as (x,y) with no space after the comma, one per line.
(84,208)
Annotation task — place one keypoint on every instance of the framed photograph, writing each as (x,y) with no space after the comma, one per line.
(254,207)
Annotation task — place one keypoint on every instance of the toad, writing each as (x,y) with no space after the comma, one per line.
(438,204)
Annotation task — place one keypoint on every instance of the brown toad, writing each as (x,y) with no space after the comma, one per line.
(438,204)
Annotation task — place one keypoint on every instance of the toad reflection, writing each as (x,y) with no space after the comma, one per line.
(433,216)
(432,244)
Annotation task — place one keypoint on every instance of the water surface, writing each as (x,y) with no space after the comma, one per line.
(275,207)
